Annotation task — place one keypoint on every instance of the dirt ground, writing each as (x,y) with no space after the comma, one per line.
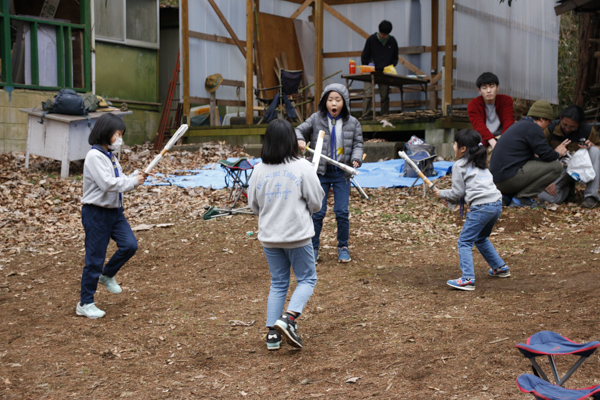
(383,326)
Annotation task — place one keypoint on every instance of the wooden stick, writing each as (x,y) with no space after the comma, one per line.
(318,149)
(415,168)
(499,340)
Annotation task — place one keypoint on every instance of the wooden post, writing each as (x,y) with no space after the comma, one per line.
(185,60)
(449,56)
(435,21)
(249,60)
(318,20)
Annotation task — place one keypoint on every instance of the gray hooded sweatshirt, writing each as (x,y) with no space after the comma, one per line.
(351,131)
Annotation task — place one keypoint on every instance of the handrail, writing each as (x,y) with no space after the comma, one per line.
(45,21)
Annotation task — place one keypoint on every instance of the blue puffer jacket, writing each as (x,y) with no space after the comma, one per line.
(352,131)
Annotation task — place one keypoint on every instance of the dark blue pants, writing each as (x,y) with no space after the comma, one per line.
(100,225)
(335,179)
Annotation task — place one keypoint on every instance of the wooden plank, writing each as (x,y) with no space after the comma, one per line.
(185,59)
(342,54)
(214,38)
(228,27)
(340,2)
(411,50)
(447,100)
(453,61)
(249,59)
(230,82)
(345,20)
(569,5)
(411,67)
(284,63)
(318,21)
(435,21)
(301,9)
(441,47)
(436,78)
(206,100)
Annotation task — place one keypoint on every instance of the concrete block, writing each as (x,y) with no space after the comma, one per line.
(15,145)
(376,151)
(253,149)
(16,132)
(14,116)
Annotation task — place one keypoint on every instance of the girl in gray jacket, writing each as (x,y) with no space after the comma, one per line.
(102,212)
(343,142)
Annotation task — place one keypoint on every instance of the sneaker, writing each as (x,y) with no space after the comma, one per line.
(110,284)
(316,255)
(273,340)
(506,200)
(343,255)
(589,202)
(90,311)
(524,202)
(502,272)
(287,327)
(462,283)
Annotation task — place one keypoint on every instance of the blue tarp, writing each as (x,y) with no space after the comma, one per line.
(371,175)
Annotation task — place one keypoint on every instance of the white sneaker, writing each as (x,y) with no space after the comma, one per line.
(90,311)
(110,284)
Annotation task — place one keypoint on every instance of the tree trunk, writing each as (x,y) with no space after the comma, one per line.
(587,64)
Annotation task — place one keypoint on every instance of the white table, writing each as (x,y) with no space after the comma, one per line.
(61,137)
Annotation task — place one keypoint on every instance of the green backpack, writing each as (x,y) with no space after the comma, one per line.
(91,101)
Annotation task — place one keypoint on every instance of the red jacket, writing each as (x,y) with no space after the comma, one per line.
(477,115)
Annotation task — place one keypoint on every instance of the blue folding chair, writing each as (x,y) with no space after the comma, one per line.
(548,343)
(543,390)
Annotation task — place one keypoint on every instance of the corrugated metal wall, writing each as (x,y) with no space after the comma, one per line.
(518,43)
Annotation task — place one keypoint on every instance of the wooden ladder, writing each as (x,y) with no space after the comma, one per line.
(168,123)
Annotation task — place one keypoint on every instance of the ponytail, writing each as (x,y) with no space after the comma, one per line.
(476,152)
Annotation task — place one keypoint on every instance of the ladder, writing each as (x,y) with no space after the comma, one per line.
(169,123)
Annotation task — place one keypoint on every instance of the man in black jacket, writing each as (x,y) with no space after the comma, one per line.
(380,49)
(523,163)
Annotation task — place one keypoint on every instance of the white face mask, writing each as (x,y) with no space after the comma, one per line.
(116,145)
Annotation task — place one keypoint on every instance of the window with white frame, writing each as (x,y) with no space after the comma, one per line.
(129,22)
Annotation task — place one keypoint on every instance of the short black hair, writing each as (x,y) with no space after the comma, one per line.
(105,128)
(280,144)
(487,78)
(385,27)
(573,112)
(323,106)
(475,152)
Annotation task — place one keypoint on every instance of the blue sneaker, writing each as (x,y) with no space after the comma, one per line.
(273,340)
(525,202)
(506,200)
(462,283)
(343,255)
(502,272)
(316,254)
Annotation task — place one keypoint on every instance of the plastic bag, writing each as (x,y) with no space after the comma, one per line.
(390,69)
(579,166)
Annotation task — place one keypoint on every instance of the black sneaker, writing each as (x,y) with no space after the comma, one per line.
(506,200)
(287,328)
(273,340)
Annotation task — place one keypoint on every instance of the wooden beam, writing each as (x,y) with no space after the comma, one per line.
(301,8)
(340,2)
(411,67)
(249,59)
(185,59)
(228,27)
(435,22)
(345,20)
(214,38)
(411,50)
(447,100)
(232,103)
(318,21)
(436,78)
(342,54)
(230,82)
(401,50)
(569,5)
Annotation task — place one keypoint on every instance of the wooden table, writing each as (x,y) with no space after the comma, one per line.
(377,77)
(61,137)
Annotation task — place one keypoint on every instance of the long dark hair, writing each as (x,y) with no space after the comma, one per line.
(475,153)
(105,128)
(280,144)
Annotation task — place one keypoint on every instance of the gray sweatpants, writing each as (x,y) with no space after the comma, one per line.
(531,179)
(565,182)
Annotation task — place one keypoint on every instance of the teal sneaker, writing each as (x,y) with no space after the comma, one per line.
(110,284)
(90,311)
(273,340)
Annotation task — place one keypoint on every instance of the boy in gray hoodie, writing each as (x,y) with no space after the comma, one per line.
(343,142)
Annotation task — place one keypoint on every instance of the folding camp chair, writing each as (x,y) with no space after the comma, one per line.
(543,390)
(548,343)
(237,177)
(289,83)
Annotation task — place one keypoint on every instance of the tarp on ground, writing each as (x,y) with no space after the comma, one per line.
(385,174)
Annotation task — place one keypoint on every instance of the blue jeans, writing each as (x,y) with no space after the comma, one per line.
(302,260)
(100,225)
(478,226)
(341,194)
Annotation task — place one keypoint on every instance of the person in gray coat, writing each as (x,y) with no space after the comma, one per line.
(343,142)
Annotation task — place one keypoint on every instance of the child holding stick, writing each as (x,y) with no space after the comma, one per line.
(472,180)
(102,212)
(284,191)
(343,142)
